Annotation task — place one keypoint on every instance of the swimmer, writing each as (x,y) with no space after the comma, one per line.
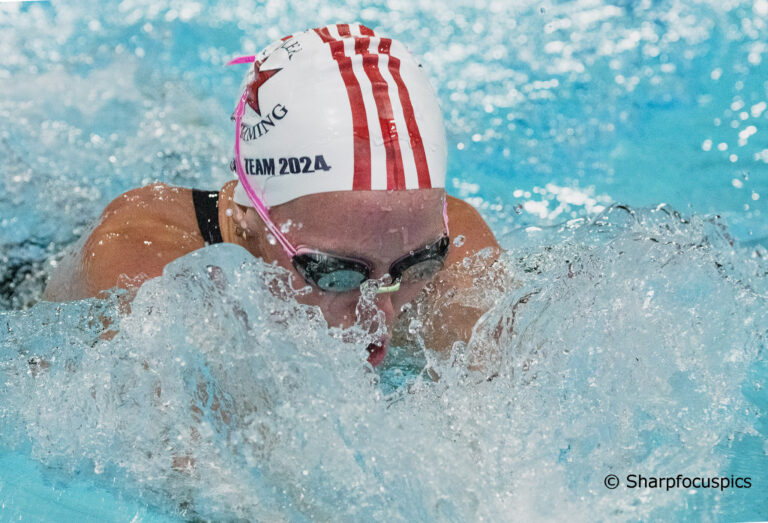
(340,158)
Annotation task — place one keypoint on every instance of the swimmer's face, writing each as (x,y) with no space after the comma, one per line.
(376,226)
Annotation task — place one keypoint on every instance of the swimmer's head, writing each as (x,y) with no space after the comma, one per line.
(339,133)
(336,109)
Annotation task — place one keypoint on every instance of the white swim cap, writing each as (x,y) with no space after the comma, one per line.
(338,109)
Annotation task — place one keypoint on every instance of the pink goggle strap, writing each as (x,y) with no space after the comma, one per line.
(260,207)
(242,60)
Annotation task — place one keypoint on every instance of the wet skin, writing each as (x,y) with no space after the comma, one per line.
(146,228)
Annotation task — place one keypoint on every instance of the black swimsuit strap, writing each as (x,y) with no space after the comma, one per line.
(207,211)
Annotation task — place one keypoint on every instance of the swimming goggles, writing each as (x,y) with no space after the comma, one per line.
(330,272)
(333,273)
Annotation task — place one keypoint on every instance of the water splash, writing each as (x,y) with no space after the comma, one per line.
(619,345)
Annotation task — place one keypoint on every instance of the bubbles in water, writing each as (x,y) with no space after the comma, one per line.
(369,287)
(414,326)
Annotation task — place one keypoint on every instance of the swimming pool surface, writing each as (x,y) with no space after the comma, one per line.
(617,149)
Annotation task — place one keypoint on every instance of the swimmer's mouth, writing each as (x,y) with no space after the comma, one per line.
(377,352)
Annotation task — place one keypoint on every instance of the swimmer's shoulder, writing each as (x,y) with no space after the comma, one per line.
(446,321)
(138,233)
(156,204)
(465,221)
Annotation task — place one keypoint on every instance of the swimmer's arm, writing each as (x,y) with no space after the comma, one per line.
(138,234)
(452,313)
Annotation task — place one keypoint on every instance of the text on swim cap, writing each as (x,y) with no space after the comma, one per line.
(253,132)
(290,165)
(291,46)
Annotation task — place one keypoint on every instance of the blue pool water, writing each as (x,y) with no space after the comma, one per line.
(617,149)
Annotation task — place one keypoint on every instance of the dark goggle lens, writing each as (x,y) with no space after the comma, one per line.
(329,273)
(340,281)
(422,270)
(422,264)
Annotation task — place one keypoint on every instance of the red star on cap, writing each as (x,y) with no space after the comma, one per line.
(253,89)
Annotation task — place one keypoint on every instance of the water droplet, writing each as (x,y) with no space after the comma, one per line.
(285,227)
(369,288)
(271,239)
(414,326)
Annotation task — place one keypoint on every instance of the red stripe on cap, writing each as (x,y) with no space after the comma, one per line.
(395,172)
(343,30)
(419,156)
(362,139)
(366,31)
(324,34)
(283,39)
